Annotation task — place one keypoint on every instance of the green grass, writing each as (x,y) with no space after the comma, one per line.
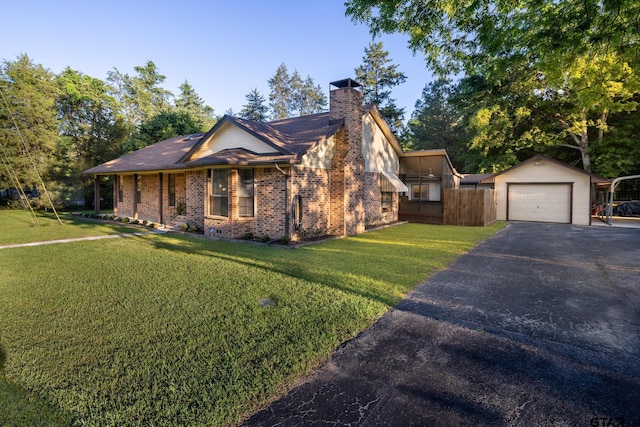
(17,227)
(168,330)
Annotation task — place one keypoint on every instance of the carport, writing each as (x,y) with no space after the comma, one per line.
(628,197)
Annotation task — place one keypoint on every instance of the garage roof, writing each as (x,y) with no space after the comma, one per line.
(543,158)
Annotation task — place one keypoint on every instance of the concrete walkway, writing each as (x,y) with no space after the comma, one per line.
(538,325)
(618,221)
(75,239)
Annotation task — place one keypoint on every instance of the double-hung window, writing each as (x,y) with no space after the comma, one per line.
(120,189)
(387,201)
(172,189)
(218,198)
(138,189)
(245,192)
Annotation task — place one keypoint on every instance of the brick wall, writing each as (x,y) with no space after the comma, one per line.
(170,212)
(313,186)
(374,215)
(148,209)
(125,207)
(347,172)
(195,196)
(271,205)
(269,208)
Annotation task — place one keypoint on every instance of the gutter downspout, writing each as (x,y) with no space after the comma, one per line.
(286,199)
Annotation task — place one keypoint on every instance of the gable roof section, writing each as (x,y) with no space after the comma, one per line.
(290,138)
(384,126)
(541,157)
(162,155)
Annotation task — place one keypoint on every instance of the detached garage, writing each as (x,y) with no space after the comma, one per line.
(542,189)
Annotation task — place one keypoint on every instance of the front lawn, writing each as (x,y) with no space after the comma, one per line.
(17,227)
(176,330)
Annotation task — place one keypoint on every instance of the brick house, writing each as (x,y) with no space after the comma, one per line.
(331,173)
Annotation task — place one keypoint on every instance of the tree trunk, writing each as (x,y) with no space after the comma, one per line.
(583,145)
(581,140)
(584,150)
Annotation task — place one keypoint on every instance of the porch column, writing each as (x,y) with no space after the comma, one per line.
(135,196)
(96,194)
(160,203)
(116,179)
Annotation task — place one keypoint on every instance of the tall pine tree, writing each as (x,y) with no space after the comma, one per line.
(378,76)
(436,123)
(190,102)
(255,108)
(291,96)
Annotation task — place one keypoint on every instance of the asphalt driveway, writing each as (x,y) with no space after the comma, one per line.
(539,325)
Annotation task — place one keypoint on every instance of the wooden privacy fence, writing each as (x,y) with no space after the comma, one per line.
(469,207)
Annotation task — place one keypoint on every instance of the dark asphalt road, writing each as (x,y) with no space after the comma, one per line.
(539,325)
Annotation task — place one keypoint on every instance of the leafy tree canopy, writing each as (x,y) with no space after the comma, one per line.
(559,69)
(164,126)
(463,35)
(141,96)
(91,132)
(28,122)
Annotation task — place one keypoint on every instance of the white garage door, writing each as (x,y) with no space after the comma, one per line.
(540,202)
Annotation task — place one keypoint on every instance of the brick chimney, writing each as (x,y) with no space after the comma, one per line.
(347,171)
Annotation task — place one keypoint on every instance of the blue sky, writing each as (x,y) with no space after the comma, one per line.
(222,48)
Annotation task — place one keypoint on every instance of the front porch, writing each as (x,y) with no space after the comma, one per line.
(156,197)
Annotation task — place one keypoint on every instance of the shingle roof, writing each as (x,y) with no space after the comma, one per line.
(472,178)
(159,156)
(290,138)
(239,157)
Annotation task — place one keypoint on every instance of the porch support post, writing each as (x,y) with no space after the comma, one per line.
(135,195)
(96,194)
(116,179)
(160,202)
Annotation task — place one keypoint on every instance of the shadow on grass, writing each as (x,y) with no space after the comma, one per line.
(360,267)
(19,407)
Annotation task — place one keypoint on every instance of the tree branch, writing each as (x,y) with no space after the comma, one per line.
(569,146)
(566,126)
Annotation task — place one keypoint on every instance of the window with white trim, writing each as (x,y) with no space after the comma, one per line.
(218,197)
(245,192)
(426,191)
(138,189)
(172,189)
(120,189)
